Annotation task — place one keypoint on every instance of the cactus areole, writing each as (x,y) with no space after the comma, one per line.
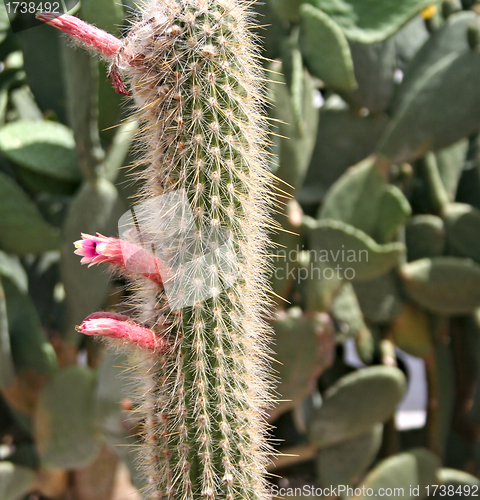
(191,67)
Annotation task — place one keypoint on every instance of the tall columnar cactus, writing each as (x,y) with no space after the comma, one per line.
(193,72)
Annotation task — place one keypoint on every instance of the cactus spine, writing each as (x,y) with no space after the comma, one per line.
(197,88)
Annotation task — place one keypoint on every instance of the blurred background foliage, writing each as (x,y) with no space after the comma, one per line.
(380,102)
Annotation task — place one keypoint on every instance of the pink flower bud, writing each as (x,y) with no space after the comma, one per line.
(98,249)
(100,40)
(95,38)
(117,326)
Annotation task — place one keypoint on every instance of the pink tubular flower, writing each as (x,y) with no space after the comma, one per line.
(100,40)
(97,39)
(117,326)
(98,249)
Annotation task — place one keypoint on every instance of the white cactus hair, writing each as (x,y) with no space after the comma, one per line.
(198,92)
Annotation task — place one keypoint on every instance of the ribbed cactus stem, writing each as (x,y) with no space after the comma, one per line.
(198,92)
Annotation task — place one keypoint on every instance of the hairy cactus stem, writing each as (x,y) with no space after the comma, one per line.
(198,92)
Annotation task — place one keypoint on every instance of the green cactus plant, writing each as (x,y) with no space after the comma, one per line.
(374,135)
(200,107)
(200,110)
